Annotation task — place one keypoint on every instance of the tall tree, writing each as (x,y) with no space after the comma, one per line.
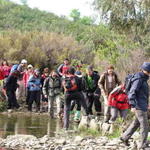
(126,14)
(75,14)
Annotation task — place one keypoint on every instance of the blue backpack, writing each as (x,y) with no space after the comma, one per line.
(14,68)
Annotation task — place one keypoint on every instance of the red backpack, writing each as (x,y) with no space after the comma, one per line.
(70,83)
(118,98)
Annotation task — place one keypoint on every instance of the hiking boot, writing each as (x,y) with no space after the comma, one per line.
(126,142)
(77,116)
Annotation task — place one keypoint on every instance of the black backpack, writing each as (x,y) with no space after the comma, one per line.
(128,82)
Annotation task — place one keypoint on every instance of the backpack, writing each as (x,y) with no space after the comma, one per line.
(128,82)
(70,84)
(14,68)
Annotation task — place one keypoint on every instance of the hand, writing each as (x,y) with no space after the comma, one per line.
(133,110)
(46,96)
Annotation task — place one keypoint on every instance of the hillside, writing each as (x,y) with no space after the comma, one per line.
(46,39)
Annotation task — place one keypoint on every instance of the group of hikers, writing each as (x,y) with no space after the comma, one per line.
(70,88)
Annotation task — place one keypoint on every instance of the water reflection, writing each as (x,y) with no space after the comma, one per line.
(37,125)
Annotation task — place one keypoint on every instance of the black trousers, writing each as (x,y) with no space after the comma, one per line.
(34,96)
(12,101)
(93,99)
(78,96)
(28,96)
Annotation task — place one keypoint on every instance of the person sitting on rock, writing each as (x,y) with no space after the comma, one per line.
(118,101)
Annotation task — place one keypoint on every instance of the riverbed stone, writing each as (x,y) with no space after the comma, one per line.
(84,122)
(94,125)
(60,141)
(105,128)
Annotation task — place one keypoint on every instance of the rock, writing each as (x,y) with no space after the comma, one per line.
(84,122)
(111,130)
(60,141)
(10,110)
(59,148)
(105,128)
(94,125)
(44,139)
(78,139)
(100,123)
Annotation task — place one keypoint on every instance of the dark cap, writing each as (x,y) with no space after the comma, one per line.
(146,66)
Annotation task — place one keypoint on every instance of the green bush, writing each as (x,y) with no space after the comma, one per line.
(3,106)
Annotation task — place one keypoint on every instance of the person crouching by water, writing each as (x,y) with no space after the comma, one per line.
(51,90)
(34,87)
(72,89)
(118,101)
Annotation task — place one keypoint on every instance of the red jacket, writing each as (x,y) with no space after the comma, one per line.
(6,70)
(1,73)
(118,99)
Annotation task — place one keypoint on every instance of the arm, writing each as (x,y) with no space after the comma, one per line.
(45,86)
(133,92)
(101,84)
(118,81)
(59,70)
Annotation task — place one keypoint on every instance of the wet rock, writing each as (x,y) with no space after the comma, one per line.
(105,128)
(78,139)
(44,139)
(94,125)
(84,122)
(60,141)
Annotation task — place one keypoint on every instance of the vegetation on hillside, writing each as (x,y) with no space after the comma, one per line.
(46,39)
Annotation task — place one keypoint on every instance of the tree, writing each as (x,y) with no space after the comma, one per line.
(87,20)
(126,14)
(75,14)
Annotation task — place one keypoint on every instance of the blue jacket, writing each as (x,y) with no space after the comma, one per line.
(139,92)
(34,83)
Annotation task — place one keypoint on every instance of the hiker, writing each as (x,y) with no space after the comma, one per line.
(11,86)
(34,86)
(52,91)
(138,95)
(63,68)
(72,89)
(27,75)
(6,68)
(74,103)
(44,99)
(108,81)
(118,101)
(90,82)
(20,93)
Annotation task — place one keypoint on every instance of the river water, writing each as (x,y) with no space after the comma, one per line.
(29,124)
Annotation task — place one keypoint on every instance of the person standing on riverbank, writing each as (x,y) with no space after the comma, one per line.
(11,86)
(91,89)
(72,88)
(138,99)
(108,81)
(63,68)
(34,86)
(52,91)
